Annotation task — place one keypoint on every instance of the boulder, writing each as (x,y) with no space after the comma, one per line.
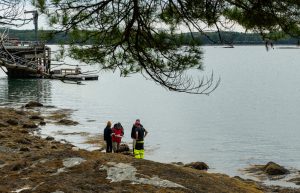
(272,168)
(36,117)
(30,125)
(67,122)
(197,165)
(49,138)
(32,104)
(42,123)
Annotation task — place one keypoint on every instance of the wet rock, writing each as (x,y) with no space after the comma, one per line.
(30,125)
(67,122)
(25,149)
(3,124)
(32,104)
(272,168)
(2,162)
(42,123)
(49,138)
(295,180)
(197,165)
(36,117)
(12,121)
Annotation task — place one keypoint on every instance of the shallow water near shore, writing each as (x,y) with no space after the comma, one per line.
(251,118)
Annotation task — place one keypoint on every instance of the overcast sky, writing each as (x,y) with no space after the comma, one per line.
(43,24)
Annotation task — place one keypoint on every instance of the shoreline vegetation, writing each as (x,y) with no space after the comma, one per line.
(194,38)
(30,163)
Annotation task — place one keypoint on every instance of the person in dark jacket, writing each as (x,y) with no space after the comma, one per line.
(107,137)
(139,133)
(134,127)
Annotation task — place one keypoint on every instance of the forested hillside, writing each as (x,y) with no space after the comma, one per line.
(234,38)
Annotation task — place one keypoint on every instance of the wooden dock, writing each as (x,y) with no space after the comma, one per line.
(33,60)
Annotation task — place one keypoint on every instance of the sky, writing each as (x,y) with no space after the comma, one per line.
(43,24)
(42,21)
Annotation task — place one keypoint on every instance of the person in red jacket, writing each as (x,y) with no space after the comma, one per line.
(118,133)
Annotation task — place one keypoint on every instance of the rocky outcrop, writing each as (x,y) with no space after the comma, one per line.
(197,165)
(67,122)
(49,138)
(272,168)
(33,104)
(118,172)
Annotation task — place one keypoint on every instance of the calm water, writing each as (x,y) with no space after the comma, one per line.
(252,118)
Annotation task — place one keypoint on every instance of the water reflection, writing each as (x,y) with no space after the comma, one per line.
(20,91)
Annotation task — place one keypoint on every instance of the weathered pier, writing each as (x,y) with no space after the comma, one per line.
(33,60)
(25,59)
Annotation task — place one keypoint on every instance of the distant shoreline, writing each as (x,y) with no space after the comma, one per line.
(235,38)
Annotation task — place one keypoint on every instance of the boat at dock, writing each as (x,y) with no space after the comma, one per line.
(72,74)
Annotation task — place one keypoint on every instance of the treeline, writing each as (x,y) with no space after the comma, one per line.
(234,38)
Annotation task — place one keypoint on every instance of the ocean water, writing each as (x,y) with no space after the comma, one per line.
(251,118)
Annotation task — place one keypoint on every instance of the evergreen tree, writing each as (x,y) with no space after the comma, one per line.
(139,35)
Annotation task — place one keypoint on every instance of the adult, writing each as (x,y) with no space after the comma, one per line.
(140,134)
(118,133)
(108,137)
(135,125)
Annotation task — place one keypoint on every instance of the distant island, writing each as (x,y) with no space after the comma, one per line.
(195,38)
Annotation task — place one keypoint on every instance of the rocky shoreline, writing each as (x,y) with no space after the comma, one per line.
(29,163)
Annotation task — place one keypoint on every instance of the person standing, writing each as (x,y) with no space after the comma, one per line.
(135,125)
(118,133)
(108,137)
(140,134)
